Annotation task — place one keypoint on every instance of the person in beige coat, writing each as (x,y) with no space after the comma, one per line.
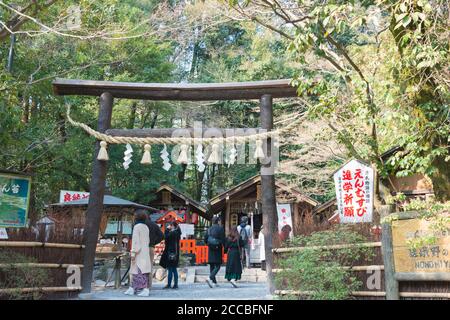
(141,266)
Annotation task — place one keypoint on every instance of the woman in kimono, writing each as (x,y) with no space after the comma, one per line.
(141,267)
(233,247)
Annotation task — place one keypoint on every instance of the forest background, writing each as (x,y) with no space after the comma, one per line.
(371,75)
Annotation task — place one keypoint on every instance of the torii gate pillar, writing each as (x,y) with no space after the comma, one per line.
(97,192)
(269,205)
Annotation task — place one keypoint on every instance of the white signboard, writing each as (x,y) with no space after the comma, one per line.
(3,234)
(68,196)
(187,229)
(354,192)
(113,227)
(285,227)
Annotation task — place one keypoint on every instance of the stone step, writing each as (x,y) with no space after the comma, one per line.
(249,272)
(221,279)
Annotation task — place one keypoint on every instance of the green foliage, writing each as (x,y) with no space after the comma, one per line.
(430,210)
(319,271)
(376,70)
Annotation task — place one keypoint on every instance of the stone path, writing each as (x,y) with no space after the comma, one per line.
(196,291)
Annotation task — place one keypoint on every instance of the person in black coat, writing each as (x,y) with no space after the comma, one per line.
(233,248)
(215,238)
(155,235)
(171,254)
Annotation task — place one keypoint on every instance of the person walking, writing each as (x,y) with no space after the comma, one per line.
(245,231)
(233,247)
(171,254)
(214,238)
(156,236)
(140,258)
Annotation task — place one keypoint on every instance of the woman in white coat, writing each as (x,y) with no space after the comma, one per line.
(141,267)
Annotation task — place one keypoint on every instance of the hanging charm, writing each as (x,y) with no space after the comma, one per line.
(183,157)
(128,154)
(103,153)
(146,157)
(200,158)
(214,156)
(232,156)
(259,152)
(165,158)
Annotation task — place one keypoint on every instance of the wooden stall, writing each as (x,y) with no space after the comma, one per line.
(245,199)
(171,201)
(116,219)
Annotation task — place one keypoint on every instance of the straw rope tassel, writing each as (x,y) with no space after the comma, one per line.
(214,156)
(146,157)
(183,157)
(259,152)
(103,153)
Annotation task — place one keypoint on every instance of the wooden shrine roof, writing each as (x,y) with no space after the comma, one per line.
(108,201)
(188,200)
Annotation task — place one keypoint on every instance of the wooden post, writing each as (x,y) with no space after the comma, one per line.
(269,207)
(227,216)
(97,190)
(117,267)
(391,283)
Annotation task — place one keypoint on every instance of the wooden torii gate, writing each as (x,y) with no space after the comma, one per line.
(265,91)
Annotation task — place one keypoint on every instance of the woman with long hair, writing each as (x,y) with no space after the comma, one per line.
(171,254)
(233,247)
(141,268)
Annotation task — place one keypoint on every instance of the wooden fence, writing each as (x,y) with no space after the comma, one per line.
(191,247)
(407,288)
(54,255)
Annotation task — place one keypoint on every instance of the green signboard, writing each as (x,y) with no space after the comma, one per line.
(14,200)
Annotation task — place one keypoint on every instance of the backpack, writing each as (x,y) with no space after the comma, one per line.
(212,241)
(155,234)
(157,238)
(244,235)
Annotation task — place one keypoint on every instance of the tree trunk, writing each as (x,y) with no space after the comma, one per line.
(132,116)
(182,173)
(426,95)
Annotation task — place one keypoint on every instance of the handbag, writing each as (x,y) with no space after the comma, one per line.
(173,256)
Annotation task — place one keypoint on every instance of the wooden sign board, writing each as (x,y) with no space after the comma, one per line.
(433,258)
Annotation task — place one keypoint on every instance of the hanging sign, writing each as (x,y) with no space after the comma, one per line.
(68,196)
(284,221)
(14,200)
(354,192)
